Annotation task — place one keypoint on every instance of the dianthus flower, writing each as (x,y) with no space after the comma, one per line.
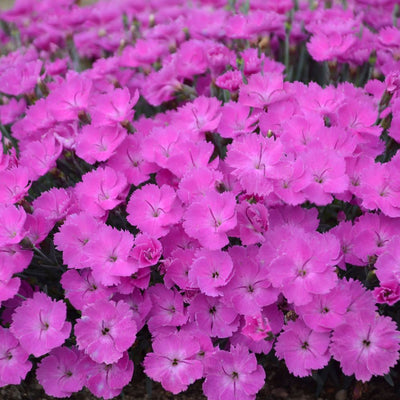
(302,348)
(106,330)
(173,361)
(366,346)
(39,324)
(233,375)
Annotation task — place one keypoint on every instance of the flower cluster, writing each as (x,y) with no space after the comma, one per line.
(204,180)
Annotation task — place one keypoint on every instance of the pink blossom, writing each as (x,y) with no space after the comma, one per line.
(62,372)
(173,361)
(366,347)
(153,209)
(73,236)
(233,375)
(388,292)
(14,364)
(14,185)
(256,327)
(81,289)
(258,166)
(101,190)
(12,226)
(99,143)
(146,251)
(213,316)
(209,218)
(302,348)
(107,380)
(230,80)
(108,255)
(167,310)
(39,324)
(106,330)
(210,271)
(261,91)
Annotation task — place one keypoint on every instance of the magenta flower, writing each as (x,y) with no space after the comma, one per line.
(82,289)
(39,324)
(107,380)
(302,348)
(261,91)
(388,292)
(14,364)
(215,318)
(173,361)
(12,224)
(255,163)
(101,190)
(366,346)
(211,270)
(106,330)
(233,375)
(146,250)
(153,209)
(208,219)
(62,372)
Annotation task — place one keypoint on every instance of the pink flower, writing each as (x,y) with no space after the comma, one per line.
(12,224)
(153,209)
(173,361)
(211,270)
(209,218)
(107,380)
(73,236)
(146,251)
(233,375)
(230,80)
(388,292)
(106,330)
(101,190)
(99,143)
(167,310)
(366,346)
(215,318)
(62,372)
(81,289)
(256,327)
(261,91)
(39,324)
(304,266)
(249,289)
(255,163)
(14,364)
(108,255)
(302,348)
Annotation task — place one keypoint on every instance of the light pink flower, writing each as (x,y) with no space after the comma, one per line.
(39,324)
(106,330)
(173,361)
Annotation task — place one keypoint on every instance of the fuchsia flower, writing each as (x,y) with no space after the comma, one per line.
(211,270)
(258,165)
(12,225)
(100,191)
(209,218)
(302,348)
(107,380)
(388,292)
(146,251)
(261,91)
(153,209)
(62,372)
(99,143)
(173,361)
(233,375)
(39,324)
(14,364)
(366,346)
(106,330)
